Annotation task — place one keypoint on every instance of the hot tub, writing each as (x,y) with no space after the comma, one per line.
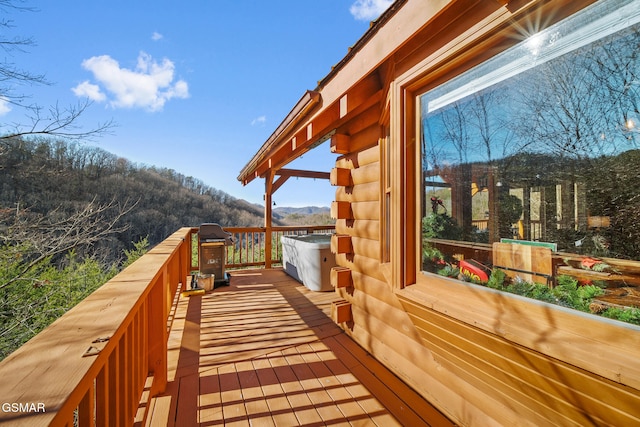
(308,259)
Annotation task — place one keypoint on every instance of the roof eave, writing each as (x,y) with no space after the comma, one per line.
(309,100)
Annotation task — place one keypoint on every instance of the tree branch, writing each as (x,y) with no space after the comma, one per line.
(36,238)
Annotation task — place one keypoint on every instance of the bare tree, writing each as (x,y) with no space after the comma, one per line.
(616,69)
(433,152)
(455,130)
(486,117)
(10,74)
(584,104)
(56,120)
(32,238)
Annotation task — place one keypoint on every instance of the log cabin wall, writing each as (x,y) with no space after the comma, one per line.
(377,320)
(481,357)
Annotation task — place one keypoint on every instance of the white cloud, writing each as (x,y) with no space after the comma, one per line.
(5,106)
(89,90)
(149,86)
(156,36)
(367,10)
(259,120)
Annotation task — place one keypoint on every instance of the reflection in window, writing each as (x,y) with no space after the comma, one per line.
(542,143)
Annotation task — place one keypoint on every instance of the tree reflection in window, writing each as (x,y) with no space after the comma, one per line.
(541,142)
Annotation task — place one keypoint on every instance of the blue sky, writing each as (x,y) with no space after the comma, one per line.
(196,86)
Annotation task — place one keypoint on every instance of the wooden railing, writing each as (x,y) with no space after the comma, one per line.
(249,247)
(100,362)
(535,228)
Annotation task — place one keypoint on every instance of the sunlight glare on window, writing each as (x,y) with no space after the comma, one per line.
(534,43)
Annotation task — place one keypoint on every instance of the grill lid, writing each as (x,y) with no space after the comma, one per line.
(211,231)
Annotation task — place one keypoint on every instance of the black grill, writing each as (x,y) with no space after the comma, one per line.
(212,240)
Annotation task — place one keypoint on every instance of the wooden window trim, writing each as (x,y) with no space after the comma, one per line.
(473,45)
(385,188)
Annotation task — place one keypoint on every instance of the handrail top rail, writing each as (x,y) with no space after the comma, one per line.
(48,368)
(240,229)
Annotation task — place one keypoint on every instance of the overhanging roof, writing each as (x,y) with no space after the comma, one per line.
(283,145)
(309,100)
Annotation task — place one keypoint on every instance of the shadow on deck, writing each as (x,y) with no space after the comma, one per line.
(264,351)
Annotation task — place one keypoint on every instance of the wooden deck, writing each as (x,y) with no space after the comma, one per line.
(263,351)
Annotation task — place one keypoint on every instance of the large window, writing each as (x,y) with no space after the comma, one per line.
(542,142)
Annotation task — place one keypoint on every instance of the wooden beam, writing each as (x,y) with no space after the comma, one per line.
(341,177)
(341,311)
(341,244)
(303,173)
(437,184)
(341,210)
(341,277)
(302,137)
(278,183)
(285,174)
(340,143)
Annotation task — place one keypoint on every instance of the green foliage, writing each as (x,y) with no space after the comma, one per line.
(497,279)
(569,293)
(629,315)
(510,208)
(30,304)
(307,216)
(524,288)
(440,226)
(140,248)
(600,267)
(541,293)
(429,252)
(449,271)
(432,258)
(510,212)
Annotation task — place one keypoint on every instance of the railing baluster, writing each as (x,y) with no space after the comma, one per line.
(117,359)
(121,374)
(86,409)
(114,402)
(137,380)
(251,245)
(102,397)
(130,377)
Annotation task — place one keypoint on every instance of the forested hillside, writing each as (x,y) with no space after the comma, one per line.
(72,216)
(55,177)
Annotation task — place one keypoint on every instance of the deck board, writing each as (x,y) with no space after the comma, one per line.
(264,351)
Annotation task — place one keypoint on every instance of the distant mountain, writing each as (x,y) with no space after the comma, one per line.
(303,216)
(307,210)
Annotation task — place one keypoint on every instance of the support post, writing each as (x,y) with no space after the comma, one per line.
(268,201)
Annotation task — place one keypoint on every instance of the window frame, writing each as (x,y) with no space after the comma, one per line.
(475,43)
